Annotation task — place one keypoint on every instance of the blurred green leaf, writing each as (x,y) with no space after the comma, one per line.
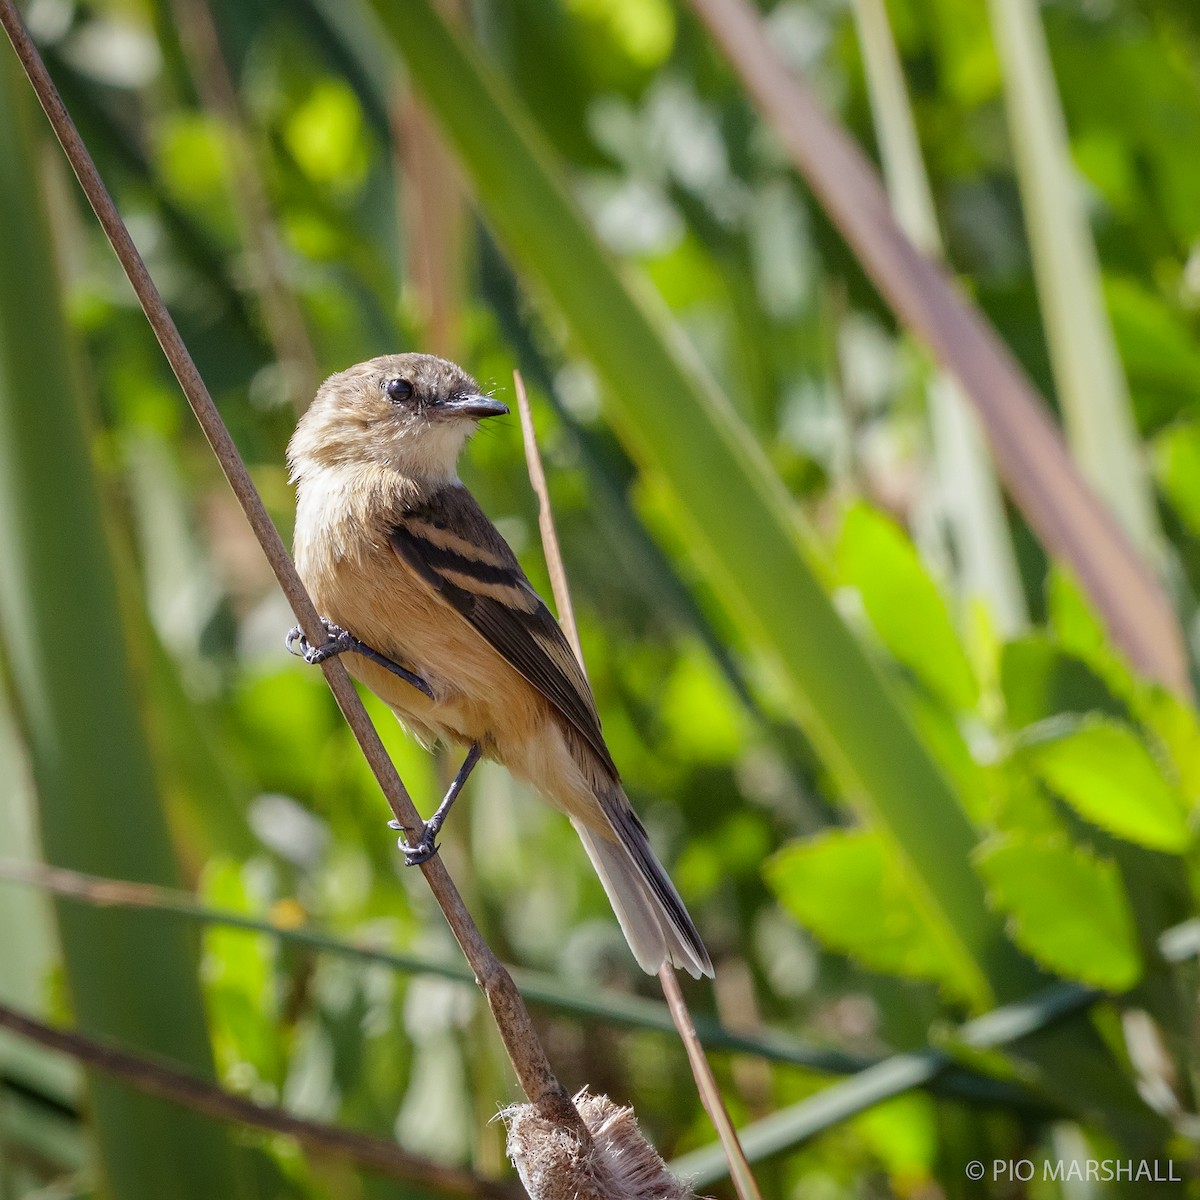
(325,136)
(1104,771)
(846,888)
(943,734)
(643,29)
(904,1134)
(1039,679)
(1079,631)
(193,156)
(705,720)
(906,609)
(1066,907)
(1177,727)
(240,979)
(1158,349)
(1177,464)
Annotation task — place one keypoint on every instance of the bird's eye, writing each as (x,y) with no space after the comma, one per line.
(398,390)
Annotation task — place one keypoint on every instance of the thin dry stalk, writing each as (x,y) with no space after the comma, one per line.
(706,1084)
(508,1009)
(550,547)
(1029,450)
(178,1087)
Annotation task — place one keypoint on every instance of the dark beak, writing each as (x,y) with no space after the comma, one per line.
(476,407)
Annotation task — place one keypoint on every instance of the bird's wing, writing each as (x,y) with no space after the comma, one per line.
(448,542)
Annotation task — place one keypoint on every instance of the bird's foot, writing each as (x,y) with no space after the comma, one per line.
(338,641)
(426,845)
(422,851)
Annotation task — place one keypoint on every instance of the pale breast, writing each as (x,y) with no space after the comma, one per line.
(358,582)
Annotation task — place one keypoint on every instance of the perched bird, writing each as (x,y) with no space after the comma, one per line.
(444,627)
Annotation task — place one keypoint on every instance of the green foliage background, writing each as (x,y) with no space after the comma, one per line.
(890,797)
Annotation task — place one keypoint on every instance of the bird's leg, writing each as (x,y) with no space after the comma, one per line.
(426,848)
(338,642)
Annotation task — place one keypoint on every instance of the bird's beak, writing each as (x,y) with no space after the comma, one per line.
(475,407)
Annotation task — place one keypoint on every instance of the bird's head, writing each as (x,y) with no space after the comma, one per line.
(412,412)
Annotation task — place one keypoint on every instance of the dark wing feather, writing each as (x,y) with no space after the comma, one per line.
(450,544)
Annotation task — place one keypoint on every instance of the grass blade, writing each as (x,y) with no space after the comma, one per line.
(1030,455)
(65,646)
(37,1087)
(971,496)
(1088,375)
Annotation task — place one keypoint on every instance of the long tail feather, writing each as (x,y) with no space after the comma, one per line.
(651,914)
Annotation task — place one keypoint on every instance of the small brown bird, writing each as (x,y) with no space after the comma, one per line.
(446,629)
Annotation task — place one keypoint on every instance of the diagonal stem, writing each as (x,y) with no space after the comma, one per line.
(157,1078)
(1030,455)
(607,1007)
(706,1083)
(710,1094)
(508,1009)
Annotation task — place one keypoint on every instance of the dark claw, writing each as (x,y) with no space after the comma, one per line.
(338,641)
(423,851)
(425,848)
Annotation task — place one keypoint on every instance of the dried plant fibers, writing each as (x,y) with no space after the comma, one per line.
(619,1164)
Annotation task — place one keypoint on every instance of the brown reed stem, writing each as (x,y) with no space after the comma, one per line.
(156,1078)
(508,1009)
(706,1083)
(1071,521)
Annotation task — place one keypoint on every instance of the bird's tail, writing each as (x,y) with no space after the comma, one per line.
(652,916)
